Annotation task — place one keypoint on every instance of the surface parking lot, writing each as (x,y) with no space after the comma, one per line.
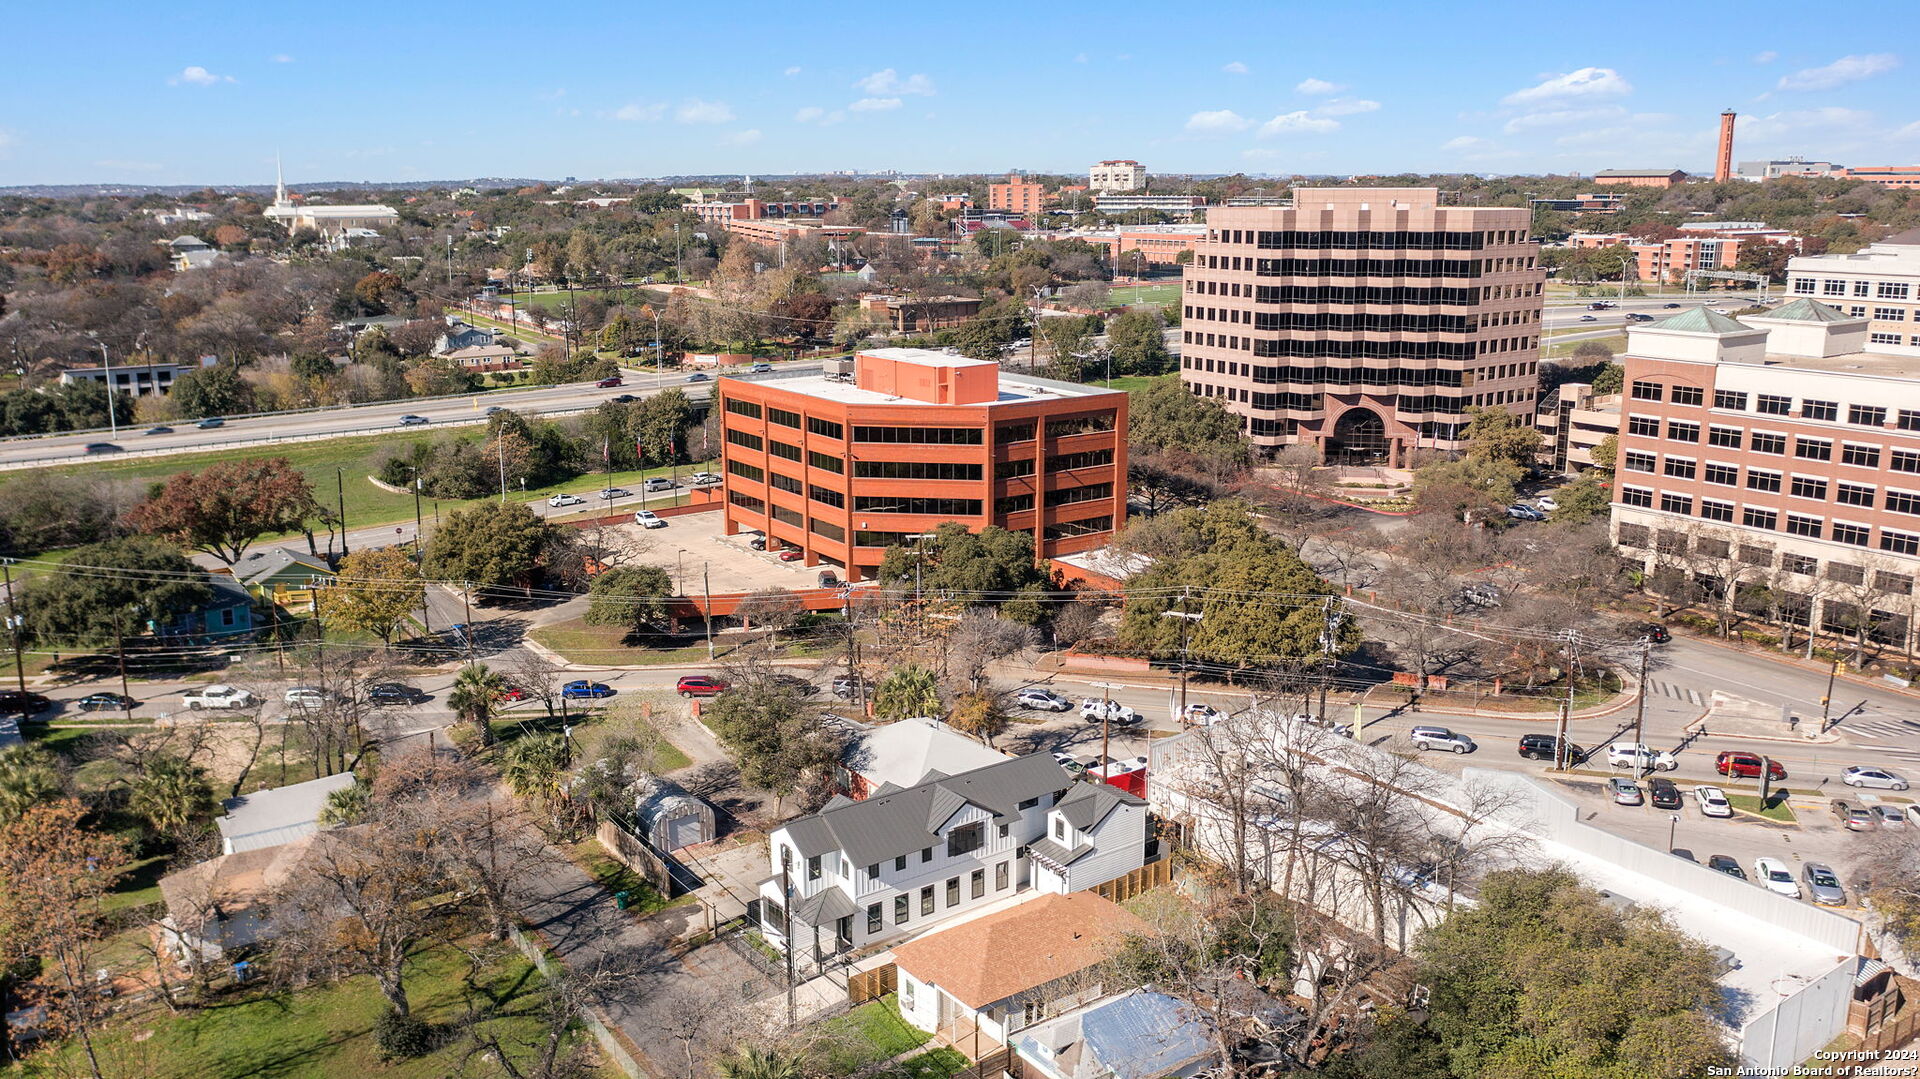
(692,545)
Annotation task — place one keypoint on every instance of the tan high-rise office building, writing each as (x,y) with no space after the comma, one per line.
(1364,321)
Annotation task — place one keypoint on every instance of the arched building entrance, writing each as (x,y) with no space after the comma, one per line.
(1359,438)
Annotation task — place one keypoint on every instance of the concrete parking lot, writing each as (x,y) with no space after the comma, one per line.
(692,549)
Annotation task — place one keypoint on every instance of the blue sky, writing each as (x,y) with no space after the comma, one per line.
(197,92)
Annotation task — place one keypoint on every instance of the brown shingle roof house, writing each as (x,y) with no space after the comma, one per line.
(999,966)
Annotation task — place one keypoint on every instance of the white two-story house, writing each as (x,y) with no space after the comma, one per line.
(907,858)
(1095,833)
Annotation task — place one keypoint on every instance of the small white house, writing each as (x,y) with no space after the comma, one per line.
(905,754)
(271,817)
(1094,834)
(999,973)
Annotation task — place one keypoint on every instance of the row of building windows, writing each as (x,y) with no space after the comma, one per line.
(1397,322)
(1720,547)
(1402,295)
(1772,404)
(1329,267)
(1070,495)
(1815,488)
(917,470)
(1772,442)
(1771,519)
(939,507)
(933,436)
(977,887)
(1836,286)
(1356,240)
(1267,374)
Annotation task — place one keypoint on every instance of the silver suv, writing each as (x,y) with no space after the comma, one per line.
(1440,738)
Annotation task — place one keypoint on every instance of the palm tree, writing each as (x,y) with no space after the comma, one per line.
(171,794)
(475,691)
(752,1063)
(29,776)
(908,692)
(533,765)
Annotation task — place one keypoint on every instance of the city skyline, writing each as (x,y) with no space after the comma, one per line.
(181,97)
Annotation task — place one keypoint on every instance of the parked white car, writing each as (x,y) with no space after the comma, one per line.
(562,500)
(1042,700)
(648,519)
(1628,754)
(307,697)
(1713,802)
(218,696)
(1773,875)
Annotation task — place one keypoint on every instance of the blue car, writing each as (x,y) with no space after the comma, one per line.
(575,691)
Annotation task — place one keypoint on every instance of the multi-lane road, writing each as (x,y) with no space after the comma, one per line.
(186,437)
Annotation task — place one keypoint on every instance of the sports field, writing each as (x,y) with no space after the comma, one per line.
(1160,292)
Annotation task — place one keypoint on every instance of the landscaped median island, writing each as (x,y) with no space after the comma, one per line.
(1776,808)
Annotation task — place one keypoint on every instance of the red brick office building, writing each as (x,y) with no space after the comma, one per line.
(842,471)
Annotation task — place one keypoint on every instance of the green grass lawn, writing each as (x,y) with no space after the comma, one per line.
(1779,810)
(1617,342)
(1132,383)
(139,886)
(582,643)
(642,898)
(321,1032)
(869,1034)
(1163,292)
(352,460)
(942,1063)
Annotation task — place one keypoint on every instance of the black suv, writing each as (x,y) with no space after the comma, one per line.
(26,704)
(1543,747)
(1663,794)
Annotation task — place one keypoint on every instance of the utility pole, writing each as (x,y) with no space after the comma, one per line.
(340,497)
(13,626)
(1640,713)
(1826,699)
(500,450)
(1560,740)
(786,910)
(120,650)
(466,604)
(706,585)
(416,514)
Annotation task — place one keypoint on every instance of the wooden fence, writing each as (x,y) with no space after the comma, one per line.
(872,984)
(1891,1021)
(636,855)
(1001,1061)
(1125,887)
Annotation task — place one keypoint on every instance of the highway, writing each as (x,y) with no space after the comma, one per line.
(384,417)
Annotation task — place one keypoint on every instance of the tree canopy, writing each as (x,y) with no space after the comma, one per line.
(223,508)
(631,596)
(377,589)
(1259,604)
(119,583)
(493,545)
(992,566)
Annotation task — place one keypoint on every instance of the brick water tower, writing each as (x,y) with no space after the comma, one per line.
(1723,165)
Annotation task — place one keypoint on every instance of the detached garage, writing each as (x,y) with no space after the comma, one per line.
(668,817)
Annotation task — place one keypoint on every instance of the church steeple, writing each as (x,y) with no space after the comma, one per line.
(279,182)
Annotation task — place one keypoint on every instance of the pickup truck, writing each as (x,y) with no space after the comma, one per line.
(1093,710)
(218,696)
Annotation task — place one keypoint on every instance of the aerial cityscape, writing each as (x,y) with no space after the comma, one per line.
(1374,542)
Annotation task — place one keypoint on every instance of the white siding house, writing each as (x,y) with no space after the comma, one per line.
(901,860)
(1096,833)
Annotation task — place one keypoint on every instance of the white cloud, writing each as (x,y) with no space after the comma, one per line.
(196,75)
(1830,118)
(888,83)
(1288,123)
(1348,106)
(695,111)
(282,58)
(1317,87)
(874,104)
(1562,118)
(743,138)
(1461,143)
(1911,131)
(1766,57)
(809,114)
(641,114)
(1586,82)
(1218,122)
(791,71)
(1235,68)
(1842,71)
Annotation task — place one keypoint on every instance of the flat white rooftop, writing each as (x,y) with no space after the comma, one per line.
(1013,389)
(926,357)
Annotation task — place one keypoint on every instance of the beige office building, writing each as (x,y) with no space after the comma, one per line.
(1364,321)
(1117,176)
(1880,283)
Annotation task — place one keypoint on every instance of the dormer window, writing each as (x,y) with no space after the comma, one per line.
(966,839)
(1060,829)
(813,867)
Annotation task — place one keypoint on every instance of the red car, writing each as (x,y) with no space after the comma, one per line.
(792,554)
(699,685)
(513,693)
(1745,766)
(608,383)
